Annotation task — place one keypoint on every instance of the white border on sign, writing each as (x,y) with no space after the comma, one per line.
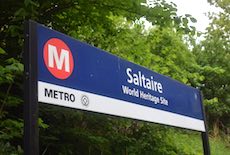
(101,104)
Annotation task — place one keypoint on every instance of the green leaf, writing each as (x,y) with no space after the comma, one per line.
(187,15)
(2,51)
(42,124)
(27,2)
(20,12)
(193,19)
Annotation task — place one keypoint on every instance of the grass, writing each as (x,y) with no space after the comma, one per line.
(191,143)
(219,146)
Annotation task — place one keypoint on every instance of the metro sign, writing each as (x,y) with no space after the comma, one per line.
(110,84)
(102,83)
(58,58)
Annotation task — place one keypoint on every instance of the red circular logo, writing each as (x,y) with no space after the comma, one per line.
(58,58)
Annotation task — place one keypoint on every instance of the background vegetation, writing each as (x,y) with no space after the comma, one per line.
(169,47)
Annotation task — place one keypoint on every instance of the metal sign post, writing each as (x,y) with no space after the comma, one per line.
(31,145)
(204,135)
(205,142)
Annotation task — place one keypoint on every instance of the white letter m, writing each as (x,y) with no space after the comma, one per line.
(59,60)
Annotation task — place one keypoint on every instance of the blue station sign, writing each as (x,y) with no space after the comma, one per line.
(77,75)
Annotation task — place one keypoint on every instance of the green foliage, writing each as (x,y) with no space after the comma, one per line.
(96,134)
(219,146)
(190,143)
(6,148)
(115,27)
(42,124)
(2,51)
(213,54)
(11,129)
